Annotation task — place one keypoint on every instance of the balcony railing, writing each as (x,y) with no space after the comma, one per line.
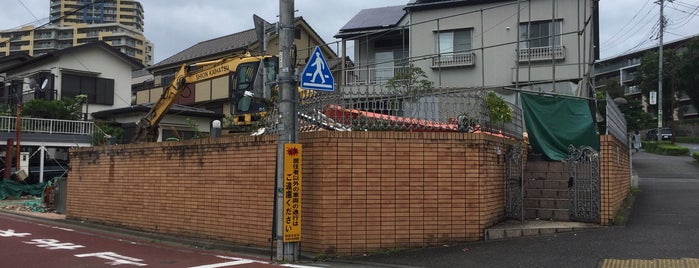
(49,126)
(542,53)
(454,60)
(371,75)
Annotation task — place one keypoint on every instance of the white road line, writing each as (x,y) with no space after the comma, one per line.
(226,264)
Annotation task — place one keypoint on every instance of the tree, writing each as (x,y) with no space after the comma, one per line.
(680,75)
(688,72)
(636,118)
(648,77)
(65,108)
(410,81)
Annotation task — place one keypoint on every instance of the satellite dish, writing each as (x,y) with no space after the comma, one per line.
(44,83)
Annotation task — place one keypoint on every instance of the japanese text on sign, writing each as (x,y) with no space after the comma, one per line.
(292,192)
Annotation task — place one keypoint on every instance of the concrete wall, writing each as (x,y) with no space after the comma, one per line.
(362,191)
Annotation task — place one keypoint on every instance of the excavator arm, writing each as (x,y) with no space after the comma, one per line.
(147,127)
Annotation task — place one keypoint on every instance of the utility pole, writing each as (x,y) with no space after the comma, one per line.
(660,69)
(288,130)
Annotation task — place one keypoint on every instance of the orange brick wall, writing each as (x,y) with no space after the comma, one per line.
(363,191)
(375,190)
(219,189)
(615,176)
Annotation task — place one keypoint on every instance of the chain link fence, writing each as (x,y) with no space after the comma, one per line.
(377,108)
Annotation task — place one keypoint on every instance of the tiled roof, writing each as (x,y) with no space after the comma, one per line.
(228,43)
(135,65)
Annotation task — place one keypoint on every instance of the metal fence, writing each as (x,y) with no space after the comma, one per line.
(616,123)
(377,108)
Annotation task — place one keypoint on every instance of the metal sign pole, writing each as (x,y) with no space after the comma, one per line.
(286,251)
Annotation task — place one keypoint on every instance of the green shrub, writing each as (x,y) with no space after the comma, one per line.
(665,148)
(696,156)
(687,139)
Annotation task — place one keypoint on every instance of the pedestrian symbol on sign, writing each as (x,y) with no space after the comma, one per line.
(317,75)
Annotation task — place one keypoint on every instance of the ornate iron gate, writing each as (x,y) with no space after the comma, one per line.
(584,183)
(513,183)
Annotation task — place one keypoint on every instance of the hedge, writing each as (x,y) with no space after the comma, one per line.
(665,148)
(696,156)
(687,139)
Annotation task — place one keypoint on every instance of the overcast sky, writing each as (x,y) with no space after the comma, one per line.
(174,25)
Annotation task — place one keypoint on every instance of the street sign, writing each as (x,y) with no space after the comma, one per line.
(316,75)
(653,98)
(292,192)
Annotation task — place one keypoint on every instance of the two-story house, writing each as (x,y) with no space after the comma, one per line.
(541,45)
(218,94)
(96,70)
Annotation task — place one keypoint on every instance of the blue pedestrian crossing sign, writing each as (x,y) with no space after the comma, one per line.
(317,75)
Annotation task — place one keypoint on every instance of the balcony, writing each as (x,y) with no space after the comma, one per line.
(370,75)
(541,54)
(44,36)
(454,60)
(40,130)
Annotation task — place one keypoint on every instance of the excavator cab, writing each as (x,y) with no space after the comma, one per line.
(252,95)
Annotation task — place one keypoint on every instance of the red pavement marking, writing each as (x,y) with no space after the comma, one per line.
(36,244)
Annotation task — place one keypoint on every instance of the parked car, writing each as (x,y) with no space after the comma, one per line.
(665,134)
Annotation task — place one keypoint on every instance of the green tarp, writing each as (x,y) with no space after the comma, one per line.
(10,188)
(554,123)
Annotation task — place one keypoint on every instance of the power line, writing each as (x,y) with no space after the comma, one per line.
(28,10)
(73,12)
(627,23)
(633,31)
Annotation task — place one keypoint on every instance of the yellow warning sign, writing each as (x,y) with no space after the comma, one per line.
(292,192)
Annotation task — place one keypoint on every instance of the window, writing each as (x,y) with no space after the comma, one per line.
(454,49)
(98,90)
(454,41)
(540,34)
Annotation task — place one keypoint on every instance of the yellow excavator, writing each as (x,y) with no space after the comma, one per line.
(254,80)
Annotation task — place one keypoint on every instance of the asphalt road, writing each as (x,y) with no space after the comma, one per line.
(664,224)
(31,242)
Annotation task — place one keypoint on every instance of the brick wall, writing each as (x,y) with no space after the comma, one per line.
(219,189)
(371,190)
(615,176)
(363,191)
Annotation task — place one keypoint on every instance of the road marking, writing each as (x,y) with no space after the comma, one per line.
(115,258)
(230,263)
(52,244)
(638,263)
(240,261)
(11,233)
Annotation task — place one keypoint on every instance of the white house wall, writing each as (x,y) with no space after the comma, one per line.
(93,62)
(106,66)
(494,42)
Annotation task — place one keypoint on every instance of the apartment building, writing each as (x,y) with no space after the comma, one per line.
(116,22)
(623,69)
(540,45)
